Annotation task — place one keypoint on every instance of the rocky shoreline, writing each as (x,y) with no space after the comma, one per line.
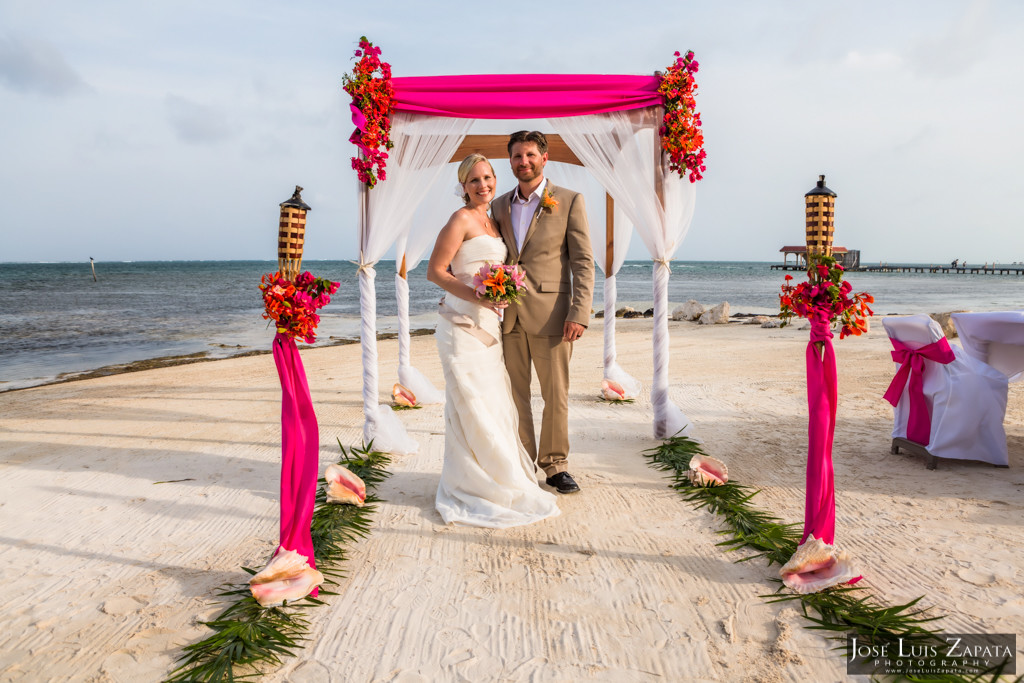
(694,311)
(188,359)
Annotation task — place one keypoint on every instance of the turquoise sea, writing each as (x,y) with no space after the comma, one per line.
(55,319)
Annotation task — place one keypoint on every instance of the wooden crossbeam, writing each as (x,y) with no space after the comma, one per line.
(496,147)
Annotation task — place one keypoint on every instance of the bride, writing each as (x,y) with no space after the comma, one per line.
(488,479)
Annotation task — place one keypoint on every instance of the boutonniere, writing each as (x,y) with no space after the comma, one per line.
(548,201)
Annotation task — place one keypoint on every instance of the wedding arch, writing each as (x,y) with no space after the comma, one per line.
(614,126)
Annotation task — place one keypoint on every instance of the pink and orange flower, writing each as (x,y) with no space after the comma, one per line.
(825,296)
(372,104)
(293,306)
(681,136)
(500,283)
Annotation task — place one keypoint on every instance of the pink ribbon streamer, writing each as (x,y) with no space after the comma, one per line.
(919,421)
(300,451)
(822,397)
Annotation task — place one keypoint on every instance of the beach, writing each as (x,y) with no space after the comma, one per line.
(127,500)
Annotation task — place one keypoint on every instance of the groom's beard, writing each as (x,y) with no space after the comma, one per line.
(528,174)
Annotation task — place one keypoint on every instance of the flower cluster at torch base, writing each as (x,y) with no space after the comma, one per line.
(825,297)
(293,305)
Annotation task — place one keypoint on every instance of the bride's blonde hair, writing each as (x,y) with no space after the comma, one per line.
(466,166)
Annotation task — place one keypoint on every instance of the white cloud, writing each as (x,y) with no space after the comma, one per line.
(872,60)
(961,44)
(31,65)
(196,123)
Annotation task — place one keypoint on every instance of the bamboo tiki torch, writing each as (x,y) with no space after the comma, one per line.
(291,234)
(820,207)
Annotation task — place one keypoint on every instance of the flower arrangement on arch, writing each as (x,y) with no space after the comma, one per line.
(826,297)
(372,103)
(293,305)
(498,283)
(681,136)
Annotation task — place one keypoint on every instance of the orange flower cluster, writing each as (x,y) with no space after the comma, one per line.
(548,201)
(372,103)
(681,136)
(293,306)
(825,296)
(496,282)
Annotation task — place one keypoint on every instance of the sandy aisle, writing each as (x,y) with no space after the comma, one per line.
(108,572)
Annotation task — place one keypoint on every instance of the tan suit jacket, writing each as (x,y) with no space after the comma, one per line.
(557,244)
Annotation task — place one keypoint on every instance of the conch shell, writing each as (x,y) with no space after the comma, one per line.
(816,566)
(612,390)
(402,396)
(707,471)
(343,486)
(287,576)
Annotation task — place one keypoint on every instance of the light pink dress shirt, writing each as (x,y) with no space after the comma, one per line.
(523,211)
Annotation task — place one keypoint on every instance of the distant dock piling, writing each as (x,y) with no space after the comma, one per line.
(895,268)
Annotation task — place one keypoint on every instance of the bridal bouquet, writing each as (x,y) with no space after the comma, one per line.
(825,296)
(293,305)
(499,283)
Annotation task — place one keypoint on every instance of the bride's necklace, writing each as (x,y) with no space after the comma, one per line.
(490,227)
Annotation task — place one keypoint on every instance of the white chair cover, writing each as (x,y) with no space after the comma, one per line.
(966,397)
(994,338)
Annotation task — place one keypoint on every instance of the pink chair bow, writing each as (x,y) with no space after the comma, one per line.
(919,423)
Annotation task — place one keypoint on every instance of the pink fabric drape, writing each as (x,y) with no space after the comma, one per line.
(300,451)
(523,96)
(919,421)
(822,397)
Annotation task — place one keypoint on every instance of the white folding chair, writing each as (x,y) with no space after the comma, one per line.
(965,399)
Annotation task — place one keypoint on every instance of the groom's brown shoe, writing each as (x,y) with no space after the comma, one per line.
(563,483)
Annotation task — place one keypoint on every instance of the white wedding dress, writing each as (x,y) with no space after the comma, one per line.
(488,479)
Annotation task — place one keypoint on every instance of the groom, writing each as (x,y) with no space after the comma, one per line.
(545,228)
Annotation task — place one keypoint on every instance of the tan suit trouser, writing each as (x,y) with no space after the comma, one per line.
(550,355)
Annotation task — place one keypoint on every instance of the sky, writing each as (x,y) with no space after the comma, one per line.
(162,131)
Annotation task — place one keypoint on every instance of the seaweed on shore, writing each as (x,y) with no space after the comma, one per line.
(248,639)
(838,611)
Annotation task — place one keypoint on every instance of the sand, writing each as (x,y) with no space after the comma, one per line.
(110,563)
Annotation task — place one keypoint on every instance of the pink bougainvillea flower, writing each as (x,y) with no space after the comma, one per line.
(293,307)
(825,297)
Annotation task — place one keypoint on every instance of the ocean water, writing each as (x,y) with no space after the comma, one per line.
(55,319)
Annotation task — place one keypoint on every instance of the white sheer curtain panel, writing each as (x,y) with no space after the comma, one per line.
(408,375)
(422,144)
(622,150)
(421,231)
(576,179)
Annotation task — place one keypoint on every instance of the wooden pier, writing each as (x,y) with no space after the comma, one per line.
(896,268)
